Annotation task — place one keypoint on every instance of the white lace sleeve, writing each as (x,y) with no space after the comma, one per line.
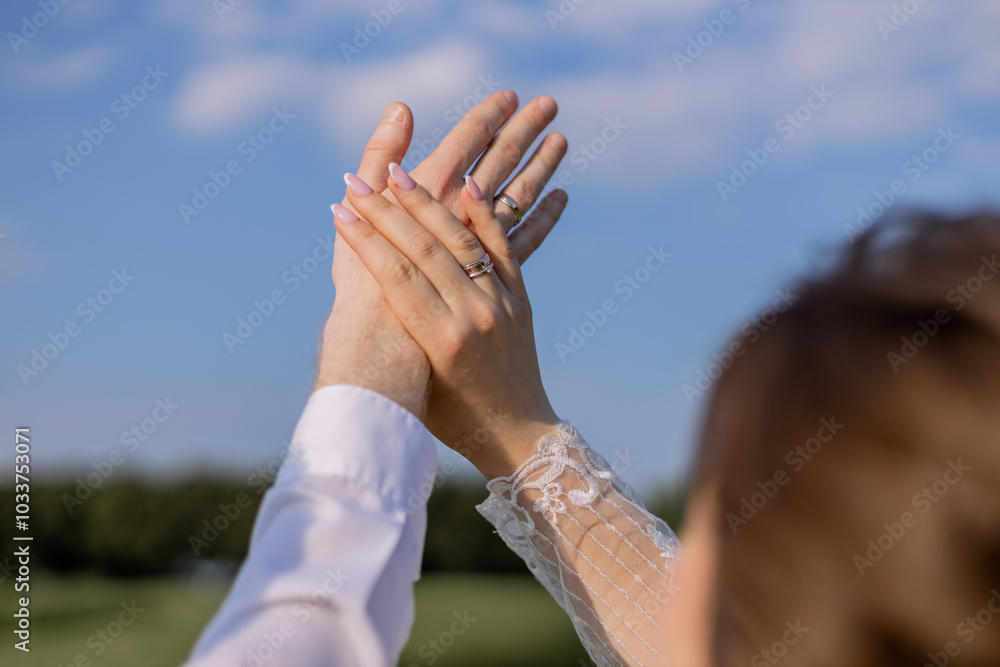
(588,539)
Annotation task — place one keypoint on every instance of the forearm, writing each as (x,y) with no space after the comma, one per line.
(336,545)
(588,539)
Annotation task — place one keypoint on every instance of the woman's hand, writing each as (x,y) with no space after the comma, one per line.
(363,343)
(488,402)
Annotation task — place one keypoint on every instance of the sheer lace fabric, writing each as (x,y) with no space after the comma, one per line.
(587,538)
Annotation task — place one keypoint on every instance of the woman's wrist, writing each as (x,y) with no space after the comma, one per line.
(510,446)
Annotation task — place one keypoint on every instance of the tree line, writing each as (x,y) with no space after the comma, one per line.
(142,527)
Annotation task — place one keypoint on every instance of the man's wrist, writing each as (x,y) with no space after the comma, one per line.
(365,348)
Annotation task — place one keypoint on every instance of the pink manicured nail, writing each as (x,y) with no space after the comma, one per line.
(473,187)
(401,178)
(357,186)
(344,214)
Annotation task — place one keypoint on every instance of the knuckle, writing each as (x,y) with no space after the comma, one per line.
(464,242)
(534,237)
(455,339)
(423,247)
(505,252)
(487,318)
(477,129)
(401,271)
(513,309)
(481,127)
(379,145)
(420,203)
(550,159)
(525,238)
(527,191)
(508,151)
(538,231)
(537,118)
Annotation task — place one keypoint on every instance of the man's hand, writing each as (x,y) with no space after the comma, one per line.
(363,342)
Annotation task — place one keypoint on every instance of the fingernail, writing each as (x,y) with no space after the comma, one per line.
(344,214)
(547,104)
(473,187)
(511,97)
(393,114)
(401,178)
(556,196)
(357,186)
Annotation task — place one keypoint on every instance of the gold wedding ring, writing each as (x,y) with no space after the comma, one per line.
(509,201)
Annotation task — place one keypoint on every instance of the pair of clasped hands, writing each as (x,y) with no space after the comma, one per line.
(407,321)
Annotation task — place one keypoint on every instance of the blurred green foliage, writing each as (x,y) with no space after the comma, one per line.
(131,527)
(136,527)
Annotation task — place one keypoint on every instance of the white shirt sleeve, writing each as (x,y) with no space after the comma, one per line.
(337,543)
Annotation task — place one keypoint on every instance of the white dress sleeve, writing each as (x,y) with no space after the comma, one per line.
(587,538)
(336,546)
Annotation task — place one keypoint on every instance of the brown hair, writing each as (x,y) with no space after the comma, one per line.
(854,454)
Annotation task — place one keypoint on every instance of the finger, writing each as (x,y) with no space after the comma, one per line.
(410,295)
(492,235)
(436,218)
(528,236)
(510,145)
(387,144)
(473,134)
(530,182)
(415,239)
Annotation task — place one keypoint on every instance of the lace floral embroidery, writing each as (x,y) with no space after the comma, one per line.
(602,556)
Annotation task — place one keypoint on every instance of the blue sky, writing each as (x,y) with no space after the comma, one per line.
(667,107)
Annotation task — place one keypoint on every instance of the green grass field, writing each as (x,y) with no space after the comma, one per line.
(517,623)
(508,620)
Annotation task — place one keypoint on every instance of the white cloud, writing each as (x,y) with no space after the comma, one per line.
(604,20)
(975,41)
(675,123)
(247,26)
(428,81)
(512,22)
(229,92)
(760,68)
(343,99)
(728,100)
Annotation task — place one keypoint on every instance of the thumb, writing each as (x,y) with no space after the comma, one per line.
(388,144)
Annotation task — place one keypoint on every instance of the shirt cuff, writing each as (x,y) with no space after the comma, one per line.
(360,435)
